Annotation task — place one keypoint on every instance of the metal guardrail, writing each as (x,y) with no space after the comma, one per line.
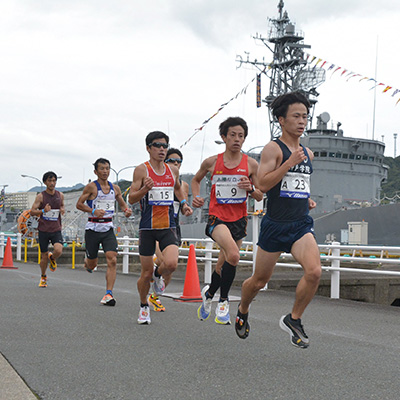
(205,252)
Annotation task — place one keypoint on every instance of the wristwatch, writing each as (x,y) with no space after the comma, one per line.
(252,189)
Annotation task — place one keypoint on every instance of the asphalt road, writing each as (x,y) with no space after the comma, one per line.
(65,345)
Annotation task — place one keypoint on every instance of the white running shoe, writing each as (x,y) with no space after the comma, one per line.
(222,313)
(158,283)
(144,316)
(205,309)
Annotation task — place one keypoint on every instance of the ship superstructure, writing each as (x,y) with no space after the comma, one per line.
(348,171)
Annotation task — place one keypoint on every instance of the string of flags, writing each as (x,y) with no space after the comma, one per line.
(349,74)
(222,106)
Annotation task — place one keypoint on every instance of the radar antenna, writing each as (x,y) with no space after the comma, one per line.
(288,70)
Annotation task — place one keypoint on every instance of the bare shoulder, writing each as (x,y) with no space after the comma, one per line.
(310,153)
(253,165)
(209,162)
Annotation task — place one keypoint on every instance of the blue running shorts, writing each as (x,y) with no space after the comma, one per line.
(279,236)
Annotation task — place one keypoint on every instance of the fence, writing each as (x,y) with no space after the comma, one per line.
(206,249)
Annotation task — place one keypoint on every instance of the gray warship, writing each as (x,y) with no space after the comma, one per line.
(348,172)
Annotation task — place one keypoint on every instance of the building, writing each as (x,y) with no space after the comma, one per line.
(19,201)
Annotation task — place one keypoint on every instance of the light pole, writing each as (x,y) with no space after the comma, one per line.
(395,138)
(28,176)
(117,174)
(2,204)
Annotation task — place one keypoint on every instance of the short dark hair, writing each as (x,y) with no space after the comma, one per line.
(101,161)
(156,135)
(49,175)
(281,104)
(233,121)
(174,151)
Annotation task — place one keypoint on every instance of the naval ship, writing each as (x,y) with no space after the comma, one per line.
(347,172)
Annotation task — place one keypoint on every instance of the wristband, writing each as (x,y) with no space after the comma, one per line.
(183,202)
(43,211)
(126,209)
(197,195)
(93,210)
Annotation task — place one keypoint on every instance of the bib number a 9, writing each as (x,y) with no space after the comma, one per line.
(228,193)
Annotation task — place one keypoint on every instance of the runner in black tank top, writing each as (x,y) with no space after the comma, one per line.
(284,173)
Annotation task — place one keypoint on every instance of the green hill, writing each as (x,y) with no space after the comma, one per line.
(392,186)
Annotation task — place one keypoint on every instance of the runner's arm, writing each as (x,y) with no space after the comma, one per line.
(121,202)
(141,184)
(270,171)
(62,206)
(35,210)
(205,167)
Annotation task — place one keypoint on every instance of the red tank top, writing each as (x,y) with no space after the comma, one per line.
(227,201)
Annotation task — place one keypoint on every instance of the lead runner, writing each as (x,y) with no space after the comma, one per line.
(284,174)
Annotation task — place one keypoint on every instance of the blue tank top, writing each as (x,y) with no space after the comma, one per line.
(288,199)
(104,201)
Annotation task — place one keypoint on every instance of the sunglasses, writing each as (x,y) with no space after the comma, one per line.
(158,145)
(174,160)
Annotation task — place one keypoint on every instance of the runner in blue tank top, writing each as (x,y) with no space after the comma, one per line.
(98,201)
(284,174)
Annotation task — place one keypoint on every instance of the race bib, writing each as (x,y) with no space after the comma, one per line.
(295,185)
(51,215)
(229,193)
(177,206)
(161,196)
(106,205)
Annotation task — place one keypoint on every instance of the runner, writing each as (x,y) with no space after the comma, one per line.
(100,197)
(284,174)
(233,178)
(173,157)
(49,206)
(154,185)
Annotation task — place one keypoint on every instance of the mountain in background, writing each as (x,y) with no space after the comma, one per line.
(75,188)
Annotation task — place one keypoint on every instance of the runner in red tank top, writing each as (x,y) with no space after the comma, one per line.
(49,206)
(234,176)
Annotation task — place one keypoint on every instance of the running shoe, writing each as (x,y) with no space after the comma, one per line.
(43,281)
(144,316)
(222,313)
(53,264)
(242,326)
(295,329)
(205,309)
(156,303)
(158,283)
(108,300)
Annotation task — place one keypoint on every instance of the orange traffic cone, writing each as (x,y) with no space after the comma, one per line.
(191,288)
(7,260)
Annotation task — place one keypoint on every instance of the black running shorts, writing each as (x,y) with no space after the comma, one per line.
(93,240)
(148,239)
(237,228)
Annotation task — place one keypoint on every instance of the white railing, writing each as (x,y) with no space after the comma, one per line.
(3,243)
(205,252)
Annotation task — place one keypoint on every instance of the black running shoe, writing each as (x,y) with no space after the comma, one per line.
(295,329)
(242,326)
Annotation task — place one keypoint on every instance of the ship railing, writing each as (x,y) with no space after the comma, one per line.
(333,262)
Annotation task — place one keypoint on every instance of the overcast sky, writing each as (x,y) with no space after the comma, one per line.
(90,78)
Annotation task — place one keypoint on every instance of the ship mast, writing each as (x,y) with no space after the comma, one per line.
(288,70)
